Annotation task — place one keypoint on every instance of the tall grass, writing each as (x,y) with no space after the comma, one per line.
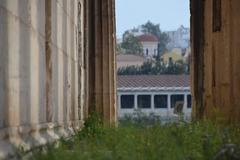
(141,141)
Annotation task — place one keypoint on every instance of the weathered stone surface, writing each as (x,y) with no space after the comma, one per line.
(39,63)
(216,59)
(100,48)
(57,63)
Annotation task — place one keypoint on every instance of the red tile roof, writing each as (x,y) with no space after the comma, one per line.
(153,81)
(148,38)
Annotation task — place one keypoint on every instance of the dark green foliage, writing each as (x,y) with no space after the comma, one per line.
(141,141)
(119,48)
(155,68)
(151,28)
(92,127)
(131,44)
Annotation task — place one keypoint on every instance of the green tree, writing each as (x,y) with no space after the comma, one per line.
(119,48)
(147,68)
(131,44)
(155,68)
(154,29)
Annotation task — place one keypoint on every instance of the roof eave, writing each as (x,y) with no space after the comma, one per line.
(153,89)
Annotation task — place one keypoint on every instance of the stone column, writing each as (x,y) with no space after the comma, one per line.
(119,102)
(101,50)
(197,49)
(9,59)
(152,102)
(135,101)
(48,59)
(169,103)
(185,104)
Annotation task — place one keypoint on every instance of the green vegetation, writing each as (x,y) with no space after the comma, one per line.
(155,68)
(134,139)
(130,44)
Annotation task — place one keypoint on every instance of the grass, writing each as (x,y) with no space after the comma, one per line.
(133,140)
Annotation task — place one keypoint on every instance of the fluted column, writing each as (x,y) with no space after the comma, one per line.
(101,43)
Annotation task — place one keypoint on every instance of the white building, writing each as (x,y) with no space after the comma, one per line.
(179,38)
(154,94)
(150,44)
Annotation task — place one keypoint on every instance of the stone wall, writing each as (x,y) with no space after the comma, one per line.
(216,59)
(41,71)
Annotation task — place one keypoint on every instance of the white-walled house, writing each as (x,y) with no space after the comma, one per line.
(154,94)
(150,44)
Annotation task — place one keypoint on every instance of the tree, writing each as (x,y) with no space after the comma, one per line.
(131,44)
(119,48)
(146,68)
(155,68)
(154,29)
(151,28)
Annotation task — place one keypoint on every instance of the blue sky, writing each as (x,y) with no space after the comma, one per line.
(170,14)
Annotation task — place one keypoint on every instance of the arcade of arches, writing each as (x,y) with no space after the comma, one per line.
(57,64)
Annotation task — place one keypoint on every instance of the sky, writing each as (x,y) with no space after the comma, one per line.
(170,14)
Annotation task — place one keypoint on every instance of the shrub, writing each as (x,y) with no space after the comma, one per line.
(148,139)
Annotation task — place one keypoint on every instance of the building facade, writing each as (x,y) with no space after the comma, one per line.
(126,60)
(150,45)
(159,95)
(179,38)
(172,56)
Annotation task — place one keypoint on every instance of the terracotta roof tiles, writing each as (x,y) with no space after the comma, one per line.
(142,81)
(148,38)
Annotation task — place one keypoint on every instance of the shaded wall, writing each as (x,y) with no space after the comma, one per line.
(216,60)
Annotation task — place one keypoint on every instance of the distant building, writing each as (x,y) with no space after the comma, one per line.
(174,55)
(124,60)
(154,94)
(150,44)
(179,38)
